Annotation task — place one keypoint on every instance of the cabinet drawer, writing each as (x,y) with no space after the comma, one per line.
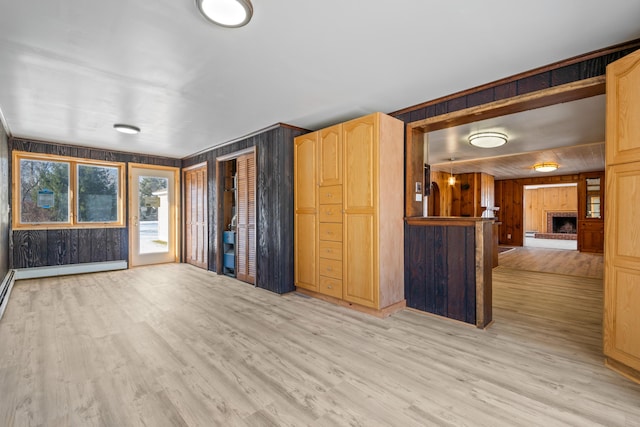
(331,268)
(329,286)
(330,231)
(330,213)
(331,250)
(331,194)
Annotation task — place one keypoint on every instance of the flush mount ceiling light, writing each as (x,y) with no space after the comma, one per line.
(128,129)
(226,13)
(545,167)
(487,139)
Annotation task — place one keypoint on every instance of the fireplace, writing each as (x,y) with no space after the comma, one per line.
(567,225)
(560,226)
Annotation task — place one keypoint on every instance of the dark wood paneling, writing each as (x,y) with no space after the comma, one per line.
(274,210)
(504,91)
(440,270)
(534,83)
(29,248)
(583,67)
(58,247)
(416,269)
(5,220)
(482,97)
(457,104)
(38,248)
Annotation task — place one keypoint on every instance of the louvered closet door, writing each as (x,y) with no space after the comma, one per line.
(196,228)
(246,261)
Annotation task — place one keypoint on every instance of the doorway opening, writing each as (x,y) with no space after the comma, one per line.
(551,216)
(236,228)
(153,210)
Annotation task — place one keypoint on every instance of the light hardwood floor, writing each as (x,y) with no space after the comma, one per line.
(174,345)
(557,261)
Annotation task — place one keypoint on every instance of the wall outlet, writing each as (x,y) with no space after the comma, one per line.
(508,236)
(418,197)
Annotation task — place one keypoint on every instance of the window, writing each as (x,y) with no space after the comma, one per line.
(58,192)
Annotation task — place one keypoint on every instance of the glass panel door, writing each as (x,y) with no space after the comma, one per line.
(152,212)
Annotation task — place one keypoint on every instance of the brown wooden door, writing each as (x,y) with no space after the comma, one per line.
(196,223)
(622,217)
(246,205)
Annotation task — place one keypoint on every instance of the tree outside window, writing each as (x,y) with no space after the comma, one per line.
(43,196)
(97,193)
(44,191)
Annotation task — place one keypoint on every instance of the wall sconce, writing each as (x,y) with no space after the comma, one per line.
(488,139)
(545,167)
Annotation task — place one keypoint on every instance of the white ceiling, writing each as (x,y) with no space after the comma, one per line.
(70,69)
(571,134)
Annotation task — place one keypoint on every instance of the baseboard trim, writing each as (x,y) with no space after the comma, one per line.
(381,313)
(5,290)
(64,270)
(622,369)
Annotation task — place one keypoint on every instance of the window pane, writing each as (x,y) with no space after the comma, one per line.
(44,191)
(97,193)
(154,214)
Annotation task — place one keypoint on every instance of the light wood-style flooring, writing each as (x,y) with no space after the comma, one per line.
(174,345)
(559,261)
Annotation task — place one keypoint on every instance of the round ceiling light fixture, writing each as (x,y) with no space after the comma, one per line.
(545,167)
(128,129)
(488,139)
(226,13)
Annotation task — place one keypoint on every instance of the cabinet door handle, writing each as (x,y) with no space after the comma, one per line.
(329,287)
(329,251)
(329,269)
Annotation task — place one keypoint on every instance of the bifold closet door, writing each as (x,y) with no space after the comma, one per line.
(246,261)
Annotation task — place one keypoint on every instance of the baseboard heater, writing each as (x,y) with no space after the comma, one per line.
(5,290)
(65,270)
(58,270)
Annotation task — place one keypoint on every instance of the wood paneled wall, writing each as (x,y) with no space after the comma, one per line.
(440,270)
(38,248)
(466,197)
(509,196)
(444,193)
(539,201)
(5,220)
(274,208)
(571,70)
(584,67)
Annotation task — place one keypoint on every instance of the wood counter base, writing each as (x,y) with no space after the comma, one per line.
(381,313)
(448,267)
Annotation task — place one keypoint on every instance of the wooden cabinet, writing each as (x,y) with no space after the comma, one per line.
(590,212)
(305,200)
(622,218)
(358,209)
(330,172)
